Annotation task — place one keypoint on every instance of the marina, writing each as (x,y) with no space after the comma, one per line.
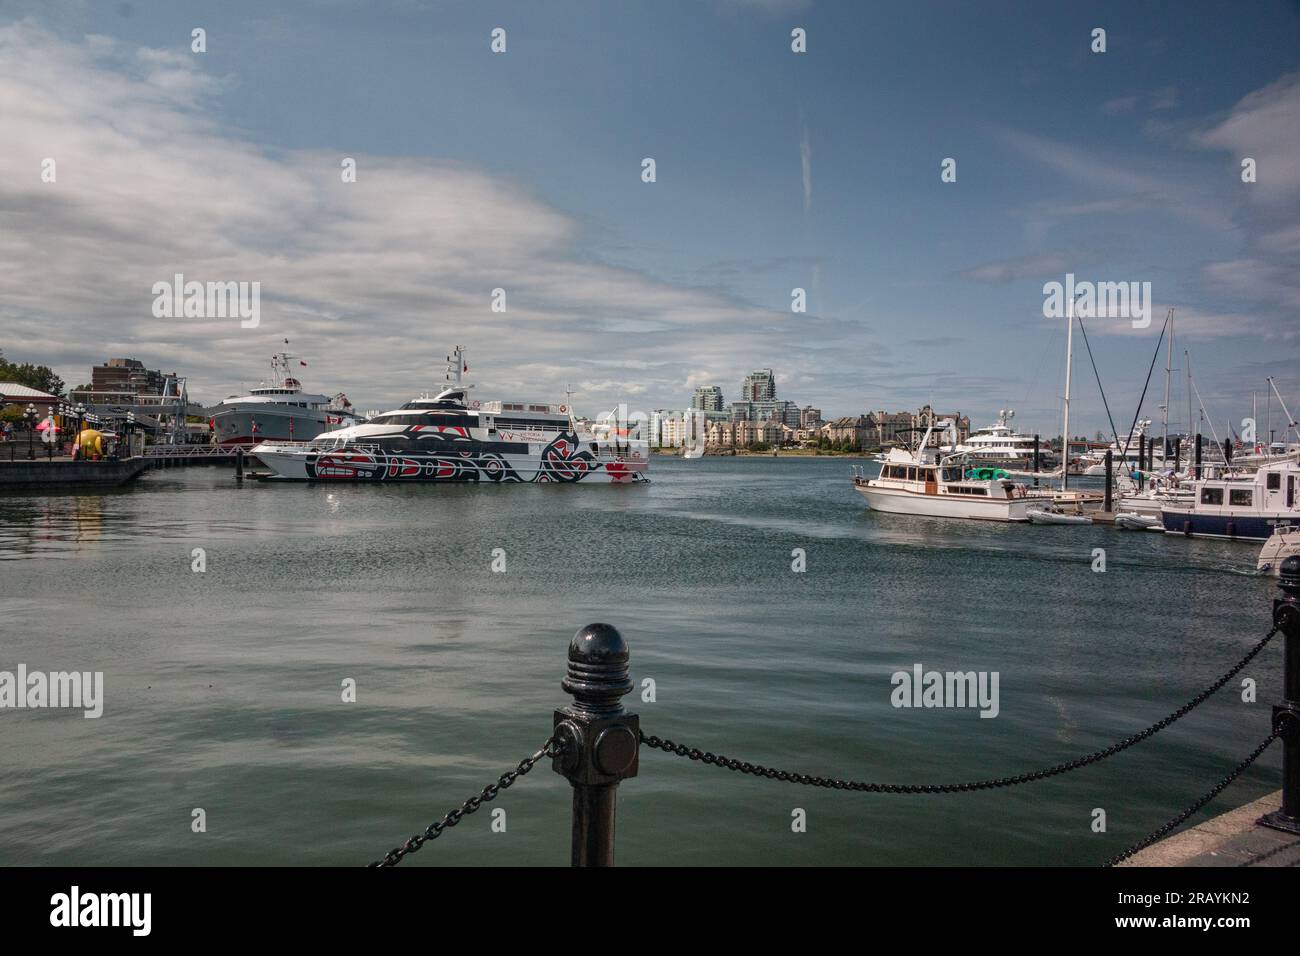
(745,434)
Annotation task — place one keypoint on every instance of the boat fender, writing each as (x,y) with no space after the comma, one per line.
(1232,529)
(1187,528)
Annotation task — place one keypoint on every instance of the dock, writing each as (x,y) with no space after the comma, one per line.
(26,474)
(1234,838)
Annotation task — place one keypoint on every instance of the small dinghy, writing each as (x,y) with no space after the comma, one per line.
(1281,544)
(1132,521)
(1055,516)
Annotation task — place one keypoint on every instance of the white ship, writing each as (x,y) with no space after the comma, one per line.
(1002,445)
(278,410)
(448,438)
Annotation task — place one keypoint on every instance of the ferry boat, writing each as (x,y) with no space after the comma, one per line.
(1239,507)
(449,438)
(927,482)
(278,410)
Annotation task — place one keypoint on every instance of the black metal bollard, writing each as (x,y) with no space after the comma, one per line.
(239,463)
(1200,445)
(598,741)
(1036,461)
(1286,615)
(1143,468)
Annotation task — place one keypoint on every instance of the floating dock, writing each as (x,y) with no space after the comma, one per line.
(23,474)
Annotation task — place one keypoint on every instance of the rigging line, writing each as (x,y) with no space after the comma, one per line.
(1155,356)
(1104,403)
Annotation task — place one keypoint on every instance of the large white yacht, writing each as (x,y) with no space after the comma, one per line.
(449,438)
(1003,446)
(929,482)
(278,409)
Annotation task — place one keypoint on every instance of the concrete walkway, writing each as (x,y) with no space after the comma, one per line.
(1231,839)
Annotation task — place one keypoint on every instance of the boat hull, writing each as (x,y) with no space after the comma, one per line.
(562,461)
(895,501)
(234,426)
(1243,527)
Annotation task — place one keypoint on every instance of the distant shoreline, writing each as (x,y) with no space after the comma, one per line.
(791,453)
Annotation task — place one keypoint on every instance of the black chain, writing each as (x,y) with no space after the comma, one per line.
(1214,792)
(434,830)
(831,783)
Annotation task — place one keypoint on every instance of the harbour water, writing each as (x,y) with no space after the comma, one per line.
(223,688)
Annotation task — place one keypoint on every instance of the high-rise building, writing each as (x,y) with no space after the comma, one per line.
(708,398)
(759,386)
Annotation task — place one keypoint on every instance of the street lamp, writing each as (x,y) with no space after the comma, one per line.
(29,414)
(50,432)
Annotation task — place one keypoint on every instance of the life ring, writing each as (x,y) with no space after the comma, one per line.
(564,409)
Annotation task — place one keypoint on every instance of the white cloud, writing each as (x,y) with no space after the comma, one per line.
(372,281)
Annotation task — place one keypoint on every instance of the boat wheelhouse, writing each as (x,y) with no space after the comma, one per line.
(1241,507)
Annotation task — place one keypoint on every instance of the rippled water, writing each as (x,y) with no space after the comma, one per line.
(223,687)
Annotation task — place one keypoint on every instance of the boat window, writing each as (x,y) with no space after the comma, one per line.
(911,473)
(1211,496)
(1274,479)
(1241,497)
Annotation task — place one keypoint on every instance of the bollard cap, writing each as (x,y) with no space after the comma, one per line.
(598,673)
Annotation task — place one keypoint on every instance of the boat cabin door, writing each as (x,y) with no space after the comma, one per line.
(931,485)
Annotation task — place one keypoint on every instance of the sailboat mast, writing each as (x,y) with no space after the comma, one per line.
(1069,368)
(1169,368)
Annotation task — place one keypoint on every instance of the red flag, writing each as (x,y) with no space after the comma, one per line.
(302,363)
(466,367)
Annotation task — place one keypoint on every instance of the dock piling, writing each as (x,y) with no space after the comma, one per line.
(1109,481)
(239,464)
(597,740)
(1286,616)
(1200,444)
(1036,460)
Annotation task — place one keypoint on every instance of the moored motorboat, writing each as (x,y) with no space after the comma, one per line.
(927,482)
(278,410)
(1239,507)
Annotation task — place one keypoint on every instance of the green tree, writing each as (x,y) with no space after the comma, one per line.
(40,377)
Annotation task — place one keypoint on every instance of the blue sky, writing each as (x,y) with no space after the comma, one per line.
(775,170)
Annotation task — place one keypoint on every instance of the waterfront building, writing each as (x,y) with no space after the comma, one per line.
(810,417)
(708,398)
(126,376)
(785,412)
(759,386)
(856,429)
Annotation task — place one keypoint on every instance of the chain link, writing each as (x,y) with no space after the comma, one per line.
(453,817)
(1178,820)
(831,783)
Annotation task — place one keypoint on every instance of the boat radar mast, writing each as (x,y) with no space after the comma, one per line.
(456,367)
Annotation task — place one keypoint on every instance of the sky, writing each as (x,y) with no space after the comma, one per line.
(775,170)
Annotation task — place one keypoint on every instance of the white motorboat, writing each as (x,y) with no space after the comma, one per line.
(1043,514)
(927,482)
(448,438)
(1283,543)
